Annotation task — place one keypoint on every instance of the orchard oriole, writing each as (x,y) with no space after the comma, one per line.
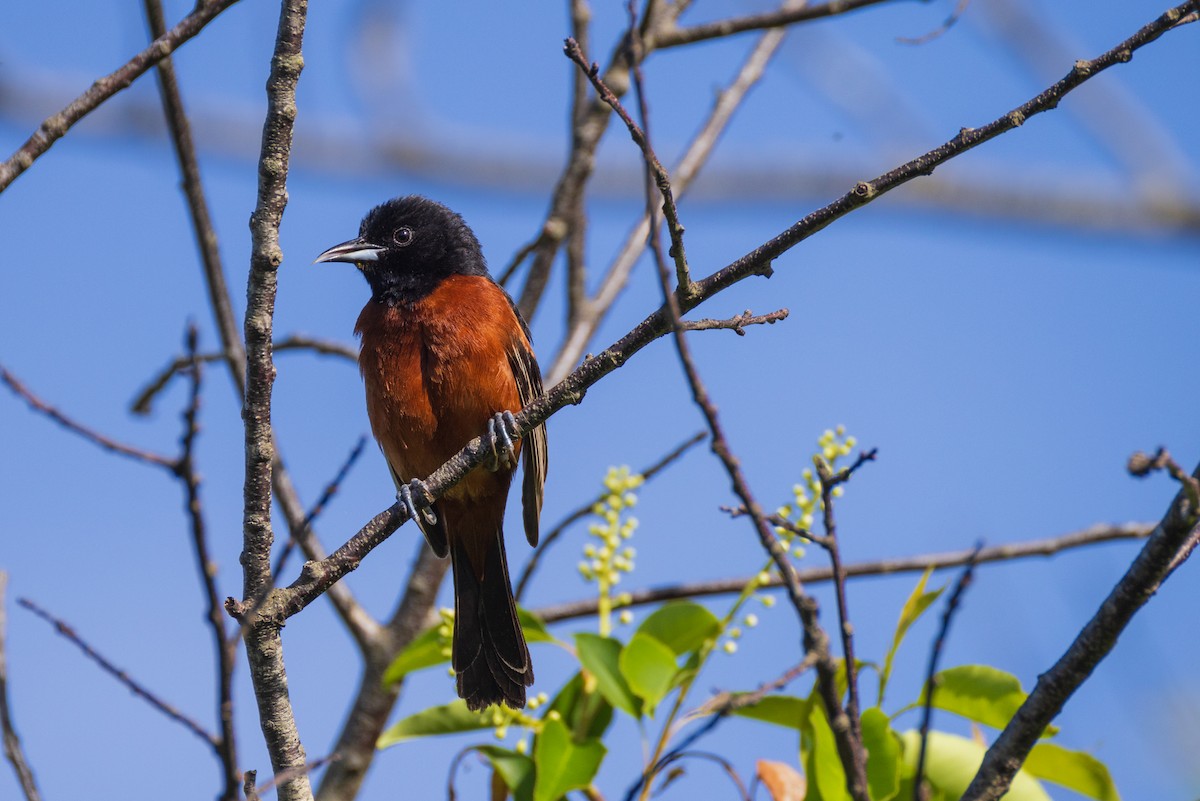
(445,356)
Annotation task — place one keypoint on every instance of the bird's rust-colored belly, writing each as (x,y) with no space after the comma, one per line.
(434,372)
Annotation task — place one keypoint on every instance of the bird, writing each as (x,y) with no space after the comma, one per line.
(446,356)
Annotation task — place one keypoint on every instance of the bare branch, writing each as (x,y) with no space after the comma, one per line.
(884,567)
(56,126)
(92,436)
(1175,533)
(296,342)
(224,646)
(585,509)
(120,675)
(12,743)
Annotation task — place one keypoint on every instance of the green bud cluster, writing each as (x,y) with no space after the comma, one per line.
(608,557)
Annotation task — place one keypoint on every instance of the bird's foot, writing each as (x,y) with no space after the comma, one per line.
(416,498)
(498,442)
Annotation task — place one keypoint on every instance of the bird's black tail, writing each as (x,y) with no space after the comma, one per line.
(490,657)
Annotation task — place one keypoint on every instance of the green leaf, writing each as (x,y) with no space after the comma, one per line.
(516,769)
(601,657)
(423,652)
(534,627)
(563,765)
(449,719)
(649,667)
(822,765)
(682,626)
(426,650)
(980,693)
(782,710)
(883,755)
(914,607)
(586,715)
(1074,770)
(950,765)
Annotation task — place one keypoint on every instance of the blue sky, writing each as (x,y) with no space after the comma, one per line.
(1005,368)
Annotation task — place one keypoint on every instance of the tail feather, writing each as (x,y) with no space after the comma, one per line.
(490,657)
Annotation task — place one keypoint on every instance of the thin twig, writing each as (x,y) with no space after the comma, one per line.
(789,14)
(296,342)
(920,792)
(224,647)
(583,510)
(829,482)
(736,324)
(683,281)
(327,494)
(884,567)
(725,764)
(91,435)
(12,743)
(946,25)
(56,126)
(120,675)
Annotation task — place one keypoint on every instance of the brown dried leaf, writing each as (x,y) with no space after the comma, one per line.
(782,781)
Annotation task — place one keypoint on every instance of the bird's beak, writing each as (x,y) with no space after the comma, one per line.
(356,251)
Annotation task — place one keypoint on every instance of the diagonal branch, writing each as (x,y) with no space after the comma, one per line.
(55,127)
(95,437)
(1174,536)
(124,678)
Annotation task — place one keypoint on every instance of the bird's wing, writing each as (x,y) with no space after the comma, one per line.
(536,456)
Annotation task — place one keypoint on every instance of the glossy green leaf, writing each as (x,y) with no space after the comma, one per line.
(649,667)
(980,693)
(423,652)
(601,657)
(449,719)
(1074,770)
(562,764)
(587,715)
(516,769)
(534,627)
(883,755)
(914,607)
(782,710)
(822,765)
(950,765)
(682,626)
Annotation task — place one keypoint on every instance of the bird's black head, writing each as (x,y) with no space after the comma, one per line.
(407,246)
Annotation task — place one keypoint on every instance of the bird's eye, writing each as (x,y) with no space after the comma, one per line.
(403,236)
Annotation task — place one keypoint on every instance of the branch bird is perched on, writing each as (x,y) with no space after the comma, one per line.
(445,356)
